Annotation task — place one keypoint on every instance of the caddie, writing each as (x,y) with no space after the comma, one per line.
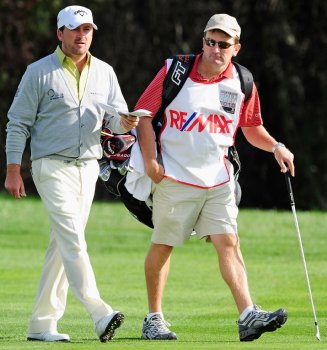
(193,179)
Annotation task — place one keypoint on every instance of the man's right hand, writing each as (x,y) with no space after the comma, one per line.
(14,183)
(155,171)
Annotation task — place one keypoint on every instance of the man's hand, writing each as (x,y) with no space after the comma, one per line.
(14,183)
(155,171)
(129,122)
(285,160)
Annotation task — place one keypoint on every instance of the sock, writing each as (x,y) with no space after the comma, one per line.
(246,311)
(150,314)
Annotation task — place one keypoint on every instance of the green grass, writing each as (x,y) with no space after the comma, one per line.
(197,302)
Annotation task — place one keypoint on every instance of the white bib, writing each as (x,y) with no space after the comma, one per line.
(200,125)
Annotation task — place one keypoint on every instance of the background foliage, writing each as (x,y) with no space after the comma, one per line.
(284,45)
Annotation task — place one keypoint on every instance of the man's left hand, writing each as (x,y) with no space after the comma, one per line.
(129,122)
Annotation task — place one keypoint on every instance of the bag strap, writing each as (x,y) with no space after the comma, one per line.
(176,76)
(246,79)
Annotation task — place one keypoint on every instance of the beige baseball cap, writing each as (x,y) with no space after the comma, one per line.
(226,23)
(73,16)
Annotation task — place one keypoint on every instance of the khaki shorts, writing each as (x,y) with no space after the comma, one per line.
(179,208)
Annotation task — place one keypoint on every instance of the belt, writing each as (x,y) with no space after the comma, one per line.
(76,162)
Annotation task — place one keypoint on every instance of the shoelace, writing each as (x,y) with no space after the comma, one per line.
(161,324)
(257,309)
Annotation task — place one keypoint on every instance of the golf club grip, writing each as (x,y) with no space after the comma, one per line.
(289,187)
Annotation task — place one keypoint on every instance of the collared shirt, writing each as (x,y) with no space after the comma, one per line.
(78,80)
(196,76)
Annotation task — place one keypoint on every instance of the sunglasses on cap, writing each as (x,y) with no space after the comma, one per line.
(221,44)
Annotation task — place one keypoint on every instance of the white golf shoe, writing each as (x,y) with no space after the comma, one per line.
(48,336)
(105,328)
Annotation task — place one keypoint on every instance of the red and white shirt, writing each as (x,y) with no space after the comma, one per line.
(200,124)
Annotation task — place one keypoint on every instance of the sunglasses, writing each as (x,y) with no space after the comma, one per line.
(221,44)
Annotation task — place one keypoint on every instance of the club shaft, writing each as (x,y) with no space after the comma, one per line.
(304,262)
(292,202)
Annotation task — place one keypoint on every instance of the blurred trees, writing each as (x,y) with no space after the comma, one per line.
(283,44)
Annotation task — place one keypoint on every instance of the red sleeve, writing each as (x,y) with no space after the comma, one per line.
(152,96)
(251,111)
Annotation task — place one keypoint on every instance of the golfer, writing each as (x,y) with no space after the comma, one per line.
(194,182)
(56,104)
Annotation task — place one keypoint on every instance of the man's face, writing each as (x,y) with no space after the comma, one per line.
(76,42)
(215,50)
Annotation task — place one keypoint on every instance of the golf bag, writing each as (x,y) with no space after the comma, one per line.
(114,165)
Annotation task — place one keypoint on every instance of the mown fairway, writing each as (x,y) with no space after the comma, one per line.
(197,302)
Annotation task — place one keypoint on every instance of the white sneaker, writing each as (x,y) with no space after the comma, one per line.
(105,328)
(156,328)
(48,336)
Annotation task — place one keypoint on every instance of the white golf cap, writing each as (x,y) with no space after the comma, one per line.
(226,23)
(73,16)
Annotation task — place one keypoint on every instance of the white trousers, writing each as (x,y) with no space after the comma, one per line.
(67,191)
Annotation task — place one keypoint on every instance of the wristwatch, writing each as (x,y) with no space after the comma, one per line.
(278,145)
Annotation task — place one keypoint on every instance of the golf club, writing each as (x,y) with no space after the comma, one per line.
(290,192)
